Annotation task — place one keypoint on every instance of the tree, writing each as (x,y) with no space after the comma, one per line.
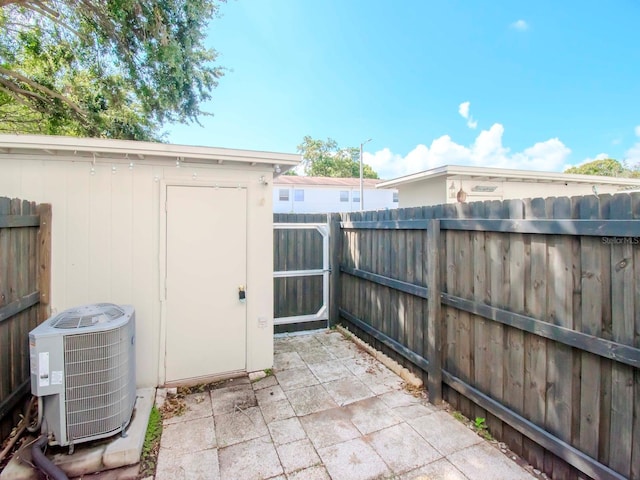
(607,167)
(116,68)
(326,159)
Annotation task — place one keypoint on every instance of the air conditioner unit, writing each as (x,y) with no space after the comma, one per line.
(83,367)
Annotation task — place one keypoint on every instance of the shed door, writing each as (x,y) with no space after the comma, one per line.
(206,264)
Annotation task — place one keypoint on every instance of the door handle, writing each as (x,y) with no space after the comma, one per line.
(242,294)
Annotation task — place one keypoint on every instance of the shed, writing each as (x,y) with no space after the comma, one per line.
(453,183)
(182,233)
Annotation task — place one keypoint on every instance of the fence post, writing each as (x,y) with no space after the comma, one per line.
(44,261)
(434,320)
(335,253)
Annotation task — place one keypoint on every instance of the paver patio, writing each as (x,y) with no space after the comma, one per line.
(330,411)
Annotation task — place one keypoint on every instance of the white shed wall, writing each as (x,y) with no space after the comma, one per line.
(106,233)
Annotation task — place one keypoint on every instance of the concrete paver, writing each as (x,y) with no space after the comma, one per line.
(287,360)
(475,461)
(198,405)
(296,378)
(297,455)
(190,436)
(402,448)
(409,412)
(203,464)
(399,398)
(310,400)
(446,436)
(313,473)
(441,469)
(348,390)
(270,394)
(329,370)
(316,355)
(372,414)
(329,412)
(269,381)
(329,427)
(239,426)
(286,431)
(276,410)
(253,460)
(353,460)
(227,400)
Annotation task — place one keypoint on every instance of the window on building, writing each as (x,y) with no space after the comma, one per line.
(395,197)
(344,195)
(298,195)
(356,196)
(284,195)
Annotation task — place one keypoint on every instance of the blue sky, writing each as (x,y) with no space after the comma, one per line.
(537,85)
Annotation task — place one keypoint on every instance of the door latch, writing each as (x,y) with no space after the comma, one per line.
(242,294)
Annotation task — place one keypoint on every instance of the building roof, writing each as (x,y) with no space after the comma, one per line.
(304,181)
(135,150)
(510,175)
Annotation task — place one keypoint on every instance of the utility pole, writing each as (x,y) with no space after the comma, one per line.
(362,177)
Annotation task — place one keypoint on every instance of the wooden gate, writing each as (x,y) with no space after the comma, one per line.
(301,272)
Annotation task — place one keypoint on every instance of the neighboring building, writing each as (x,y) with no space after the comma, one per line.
(451,183)
(177,231)
(298,194)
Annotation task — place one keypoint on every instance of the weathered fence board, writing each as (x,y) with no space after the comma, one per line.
(25,252)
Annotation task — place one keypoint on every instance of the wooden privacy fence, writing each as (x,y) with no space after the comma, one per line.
(526,313)
(25,256)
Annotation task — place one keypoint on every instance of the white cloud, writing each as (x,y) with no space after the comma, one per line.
(632,156)
(520,25)
(487,150)
(637,130)
(463,110)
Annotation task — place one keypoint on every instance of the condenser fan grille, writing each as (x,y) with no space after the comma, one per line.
(99,388)
(88,316)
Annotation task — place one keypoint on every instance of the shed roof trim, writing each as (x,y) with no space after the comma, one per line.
(103,147)
(485,173)
(308,181)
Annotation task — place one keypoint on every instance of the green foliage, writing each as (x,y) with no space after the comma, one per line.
(151,443)
(607,167)
(481,427)
(459,416)
(326,159)
(118,68)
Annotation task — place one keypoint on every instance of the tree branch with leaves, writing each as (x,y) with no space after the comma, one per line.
(325,158)
(118,68)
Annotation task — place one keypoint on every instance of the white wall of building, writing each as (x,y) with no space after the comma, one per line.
(435,191)
(427,192)
(106,232)
(318,199)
